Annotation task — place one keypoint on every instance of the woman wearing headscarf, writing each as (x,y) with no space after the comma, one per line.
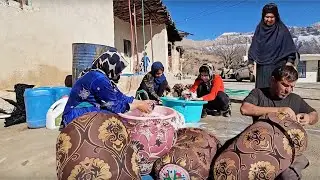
(272,46)
(209,87)
(96,90)
(154,83)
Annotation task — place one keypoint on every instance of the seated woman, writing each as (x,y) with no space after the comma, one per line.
(209,87)
(96,90)
(154,83)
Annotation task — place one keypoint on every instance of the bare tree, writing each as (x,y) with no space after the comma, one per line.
(231,51)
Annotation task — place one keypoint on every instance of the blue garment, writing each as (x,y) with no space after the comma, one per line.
(94,92)
(156,66)
(146,62)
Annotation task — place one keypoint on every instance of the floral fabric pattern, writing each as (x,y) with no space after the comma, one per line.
(193,152)
(96,146)
(151,139)
(262,151)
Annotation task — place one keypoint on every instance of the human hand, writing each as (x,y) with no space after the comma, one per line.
(288,111)
(303,119)
(186,94)
(152,103)
(197,99)
(145,106)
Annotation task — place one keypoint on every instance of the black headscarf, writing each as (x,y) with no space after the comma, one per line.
(210,69)
(156,66)
(271,43)
(110,63)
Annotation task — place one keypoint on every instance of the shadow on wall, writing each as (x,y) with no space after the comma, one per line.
(40,76)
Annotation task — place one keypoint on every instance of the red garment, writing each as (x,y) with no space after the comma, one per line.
(217,84)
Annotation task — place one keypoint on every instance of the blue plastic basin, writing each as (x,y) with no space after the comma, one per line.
(191,110)
(38,102)
(146,177)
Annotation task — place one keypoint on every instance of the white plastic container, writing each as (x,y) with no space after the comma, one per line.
(54,114)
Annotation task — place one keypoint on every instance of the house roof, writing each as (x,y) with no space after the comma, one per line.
(309,57)
(153,9)
(184,33)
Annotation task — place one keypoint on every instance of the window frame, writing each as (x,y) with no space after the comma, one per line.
(302,69)
(127,48)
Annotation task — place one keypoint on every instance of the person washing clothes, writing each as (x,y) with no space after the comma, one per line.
(153,84)
(209,87)
(96,90)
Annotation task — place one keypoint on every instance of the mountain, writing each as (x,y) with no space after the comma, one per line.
(307,40)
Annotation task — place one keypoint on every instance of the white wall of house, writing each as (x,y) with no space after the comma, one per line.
(160,42)
(175,58)
(36,43)
(122,31)
(311,67)
(311,72)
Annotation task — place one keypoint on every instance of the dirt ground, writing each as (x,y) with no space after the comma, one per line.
(30,153)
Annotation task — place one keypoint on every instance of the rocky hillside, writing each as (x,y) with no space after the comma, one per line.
(307,40)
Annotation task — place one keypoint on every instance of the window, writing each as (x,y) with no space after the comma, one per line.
(169,49)
(302,68)
(127,48)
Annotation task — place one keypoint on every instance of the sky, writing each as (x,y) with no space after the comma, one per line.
(207,19)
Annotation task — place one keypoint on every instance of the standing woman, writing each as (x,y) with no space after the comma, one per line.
(272,46)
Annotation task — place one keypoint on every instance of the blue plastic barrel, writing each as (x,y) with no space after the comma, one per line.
(61,91)
(37,102)
(46,88)
(191,110)
(83,56)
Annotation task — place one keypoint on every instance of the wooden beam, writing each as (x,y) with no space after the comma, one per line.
(155,10)
(132,38)
(135,30)
(151,36)
(143,21)
(152,15)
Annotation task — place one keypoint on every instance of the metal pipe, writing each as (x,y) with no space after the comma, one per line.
(151,35)
(132,39)
(144,38)
(135,29)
